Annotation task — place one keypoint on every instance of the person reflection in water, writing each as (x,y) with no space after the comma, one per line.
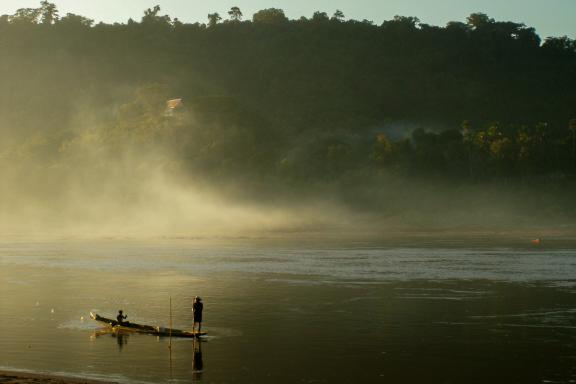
(120,318)
(197,308)
(197,363)
(122,340)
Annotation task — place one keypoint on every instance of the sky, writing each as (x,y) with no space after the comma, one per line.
(549,17)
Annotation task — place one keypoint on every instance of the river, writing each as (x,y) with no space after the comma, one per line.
(292,312)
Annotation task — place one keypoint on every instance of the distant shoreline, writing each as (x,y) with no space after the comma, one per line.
(18,377)
(369,233)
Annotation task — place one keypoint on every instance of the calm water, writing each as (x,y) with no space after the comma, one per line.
(292,313)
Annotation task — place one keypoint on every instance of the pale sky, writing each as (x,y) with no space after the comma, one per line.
(549,17)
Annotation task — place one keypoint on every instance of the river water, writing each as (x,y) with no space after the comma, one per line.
(292,312)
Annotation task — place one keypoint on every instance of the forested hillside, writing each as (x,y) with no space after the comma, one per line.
(280,108)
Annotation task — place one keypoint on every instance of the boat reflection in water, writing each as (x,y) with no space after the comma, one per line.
(122,340)
(121,337)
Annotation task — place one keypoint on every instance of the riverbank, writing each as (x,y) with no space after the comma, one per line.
(11,377)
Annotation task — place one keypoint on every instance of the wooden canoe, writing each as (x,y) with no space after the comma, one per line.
(147,329)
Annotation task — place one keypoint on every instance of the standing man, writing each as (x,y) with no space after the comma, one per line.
(197,308)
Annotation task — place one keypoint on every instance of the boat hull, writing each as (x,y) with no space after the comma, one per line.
(147,329)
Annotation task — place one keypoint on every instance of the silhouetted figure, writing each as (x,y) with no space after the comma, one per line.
(197,363)
(197,308)
(121,339)
(120,318)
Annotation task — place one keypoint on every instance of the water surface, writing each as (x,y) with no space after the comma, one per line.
(292,312)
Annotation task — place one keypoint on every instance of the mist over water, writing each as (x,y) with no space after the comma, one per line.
(300,138)
(106,180)
(354,202)
(144,197)
(134,195)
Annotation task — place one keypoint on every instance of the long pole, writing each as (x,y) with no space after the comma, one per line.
(572,127)
(170,332)
(574,146)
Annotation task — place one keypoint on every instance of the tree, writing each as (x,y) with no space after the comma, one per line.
(457,26)
(401,24)
(559,46)
(213,19)
(48,13)
(73,19)
(528,37)
(151,17)
(270,16)
(235,14)
(320,16)
(409,21)
(382,150)
(177,23)
(25,15)
(338,15)
(478,20)
(151,13)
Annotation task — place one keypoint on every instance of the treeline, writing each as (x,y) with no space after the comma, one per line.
(292,101)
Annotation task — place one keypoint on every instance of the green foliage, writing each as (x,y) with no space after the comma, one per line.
(338,15)
(48,13)
(235,14)
(320,16)
(152,18)
(213,19)
(75,21)
(292,101)
(26,16)
(270,16)
(479,20)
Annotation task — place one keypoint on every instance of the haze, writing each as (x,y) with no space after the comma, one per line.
(324,123)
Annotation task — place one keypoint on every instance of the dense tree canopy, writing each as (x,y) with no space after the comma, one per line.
(292,101)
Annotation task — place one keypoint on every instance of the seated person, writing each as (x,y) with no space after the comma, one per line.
(120,318)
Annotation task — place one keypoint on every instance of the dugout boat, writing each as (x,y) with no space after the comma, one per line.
(147,329)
